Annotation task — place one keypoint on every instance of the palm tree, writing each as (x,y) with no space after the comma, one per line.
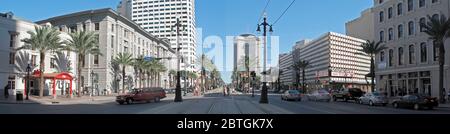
(82,43)
(140,65)
(42,39)
(301,65)
(439,30)
(123,59)
(372,48)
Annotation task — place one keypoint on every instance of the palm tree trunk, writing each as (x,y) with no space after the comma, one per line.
(41,79)
(372,73)
(303,81)
(441,72)
(79,68)
(123,79)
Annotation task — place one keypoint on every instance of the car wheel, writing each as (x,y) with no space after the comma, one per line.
(157,99)
(371,103)
(395,105)
(416,107)
(129,101)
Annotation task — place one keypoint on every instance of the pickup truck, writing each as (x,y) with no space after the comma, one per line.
(347,94)
(143,94)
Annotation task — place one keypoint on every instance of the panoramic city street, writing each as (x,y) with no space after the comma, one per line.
(215,103)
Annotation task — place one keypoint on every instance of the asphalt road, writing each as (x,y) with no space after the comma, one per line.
(215,103)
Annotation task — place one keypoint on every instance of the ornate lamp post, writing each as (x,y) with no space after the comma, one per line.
(27,84)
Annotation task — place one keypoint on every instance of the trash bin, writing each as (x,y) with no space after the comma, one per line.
(19,96)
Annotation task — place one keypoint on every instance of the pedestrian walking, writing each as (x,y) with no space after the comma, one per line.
(7,87)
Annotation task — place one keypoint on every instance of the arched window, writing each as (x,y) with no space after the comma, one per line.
(381,16)
(400,56)
(422,22)
(391,58)
(382,56)
(423,52)
(391,34)
(400,31)
(410,5)
(399,9)
(411,28)
(381,36)
(412,55)
(435,16)
(390,12)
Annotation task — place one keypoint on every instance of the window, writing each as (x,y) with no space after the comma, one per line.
(410,5)
(400,56)
(381,36)
(412,55)
(410,28)
(423,52)
(95,59)
(33,60)
(112,27)
(12,57)
(434,1)
(381,16)
(391,34)
(399,9)
(400,31)
(422,22)
(435,17)
(435,52)
(52,63)
(97,26)
(12,40)
(112,41)
(391,57)
(390,12)
(382,56)
(421,3)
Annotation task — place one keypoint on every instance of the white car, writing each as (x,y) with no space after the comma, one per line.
(320,95)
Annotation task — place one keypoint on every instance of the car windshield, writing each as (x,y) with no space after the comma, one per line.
(134,91)
(293,92)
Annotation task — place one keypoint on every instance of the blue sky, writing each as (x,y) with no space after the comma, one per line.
(306,19)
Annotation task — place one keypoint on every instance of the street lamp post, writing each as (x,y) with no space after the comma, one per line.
(27,84)
(264,24)
(178,97)
(92,83)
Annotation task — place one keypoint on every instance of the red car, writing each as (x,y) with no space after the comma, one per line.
(142,95)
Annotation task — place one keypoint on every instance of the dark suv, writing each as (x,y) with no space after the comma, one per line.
(347,94)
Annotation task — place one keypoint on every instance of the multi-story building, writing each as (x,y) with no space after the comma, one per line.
(334,62)
(285,63)
(409,64)
(116,34)
(159,16)
(14,68)
(247,45)
(362,27)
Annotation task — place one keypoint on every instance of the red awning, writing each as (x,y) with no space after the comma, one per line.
(59,76)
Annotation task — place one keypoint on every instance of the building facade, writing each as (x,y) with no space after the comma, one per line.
(116,34)
(14,68)
(363,26)
(334,62)
(287,76)
(247,45)
(158,17)
(409,64)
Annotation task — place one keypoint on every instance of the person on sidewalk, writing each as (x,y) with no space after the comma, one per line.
(7,87)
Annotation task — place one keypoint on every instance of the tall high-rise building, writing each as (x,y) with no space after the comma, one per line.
(159,16)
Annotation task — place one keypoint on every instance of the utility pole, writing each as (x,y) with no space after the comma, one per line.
(264,24)
(178,97)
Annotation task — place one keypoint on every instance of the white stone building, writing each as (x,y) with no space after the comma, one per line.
(117,34)
(409,65)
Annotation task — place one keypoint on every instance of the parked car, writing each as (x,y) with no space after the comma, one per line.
(416,101)
(291,95)
(347,94)
(320,95)
(145,94)
(374,98)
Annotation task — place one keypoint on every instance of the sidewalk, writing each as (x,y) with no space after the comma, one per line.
(48,100)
